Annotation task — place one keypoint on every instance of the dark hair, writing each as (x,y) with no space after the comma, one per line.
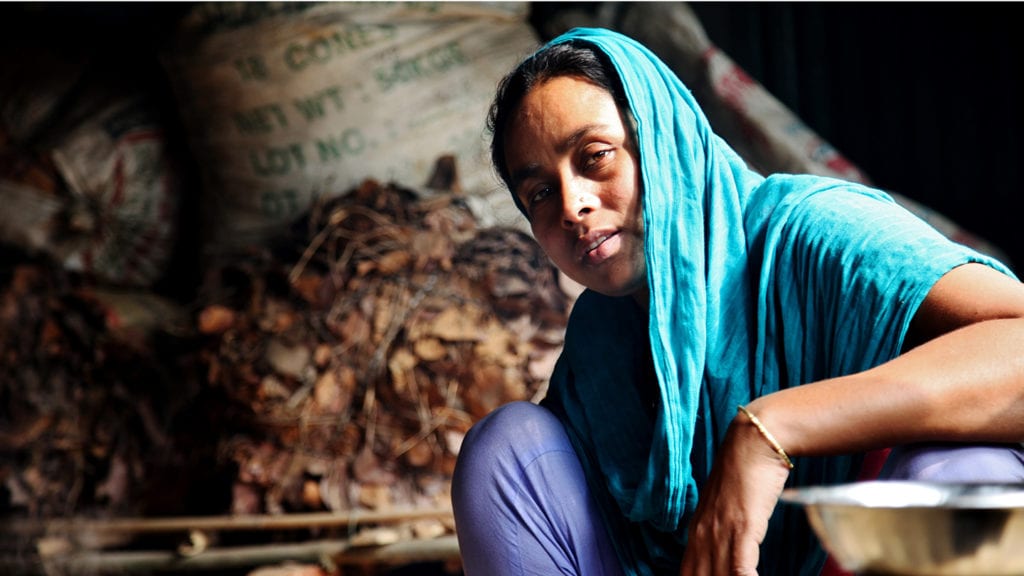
(573,58)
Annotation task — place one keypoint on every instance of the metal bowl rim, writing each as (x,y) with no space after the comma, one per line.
(885,494)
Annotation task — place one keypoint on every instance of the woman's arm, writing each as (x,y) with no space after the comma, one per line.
(964,381)
(960,379)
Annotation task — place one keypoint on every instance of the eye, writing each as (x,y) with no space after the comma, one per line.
(537,196)
(596,158)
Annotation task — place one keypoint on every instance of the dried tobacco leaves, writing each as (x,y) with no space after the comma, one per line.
(355,359)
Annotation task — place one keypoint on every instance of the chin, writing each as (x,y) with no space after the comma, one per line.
(616,285)
(621,290)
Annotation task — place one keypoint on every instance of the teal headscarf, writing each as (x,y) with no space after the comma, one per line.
(755,285)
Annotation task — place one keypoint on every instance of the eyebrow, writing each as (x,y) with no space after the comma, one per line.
(531,169)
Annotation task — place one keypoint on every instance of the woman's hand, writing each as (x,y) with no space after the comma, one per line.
(731,519)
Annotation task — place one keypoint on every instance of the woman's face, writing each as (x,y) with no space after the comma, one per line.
(573,166)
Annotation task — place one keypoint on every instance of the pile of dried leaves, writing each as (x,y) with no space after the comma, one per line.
(87,401)
(354,364)
(336,373)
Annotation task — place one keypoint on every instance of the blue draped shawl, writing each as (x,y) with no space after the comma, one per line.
(756,284)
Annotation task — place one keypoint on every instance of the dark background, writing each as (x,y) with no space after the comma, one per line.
(926,98)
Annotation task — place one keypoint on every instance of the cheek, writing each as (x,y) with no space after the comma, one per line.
(544,237)
(555,247)
(627,183)
(636,199)
(628,194)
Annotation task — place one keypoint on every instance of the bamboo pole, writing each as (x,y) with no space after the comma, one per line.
(338,552)
(223,523)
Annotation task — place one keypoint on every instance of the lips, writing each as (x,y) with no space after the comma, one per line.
(594,247)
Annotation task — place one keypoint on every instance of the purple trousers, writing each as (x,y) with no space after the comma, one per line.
(522,506)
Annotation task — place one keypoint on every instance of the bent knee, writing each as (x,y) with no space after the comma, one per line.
(956,463)
(504,442)
(511,427)
(522,417)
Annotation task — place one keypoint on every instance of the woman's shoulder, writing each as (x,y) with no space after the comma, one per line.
(795,188)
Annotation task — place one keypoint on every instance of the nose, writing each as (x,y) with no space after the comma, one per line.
(576,203)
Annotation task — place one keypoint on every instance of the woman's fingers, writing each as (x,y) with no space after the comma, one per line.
(747,554)
(724,556)
(736,503)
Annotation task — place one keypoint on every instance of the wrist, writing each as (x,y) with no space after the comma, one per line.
(765,435)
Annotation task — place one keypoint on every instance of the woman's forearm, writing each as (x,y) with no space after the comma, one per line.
(966,385)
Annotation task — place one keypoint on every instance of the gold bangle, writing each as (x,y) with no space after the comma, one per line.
(767,436)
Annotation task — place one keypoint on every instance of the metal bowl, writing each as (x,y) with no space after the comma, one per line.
(918,528)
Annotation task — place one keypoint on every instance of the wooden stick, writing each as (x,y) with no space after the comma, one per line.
(337,551)
(405,552)
(223,523)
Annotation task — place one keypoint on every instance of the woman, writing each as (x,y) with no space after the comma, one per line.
(835,321)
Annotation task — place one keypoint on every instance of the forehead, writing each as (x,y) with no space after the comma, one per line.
(562,97)
(555,110)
